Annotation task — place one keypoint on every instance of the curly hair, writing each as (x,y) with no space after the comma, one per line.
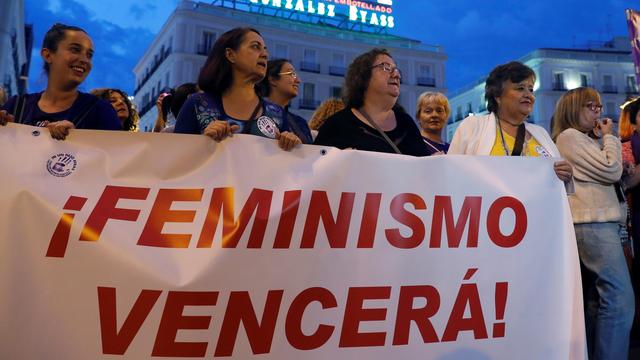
(131,122)
(324,111)
(358,76)
(513,71)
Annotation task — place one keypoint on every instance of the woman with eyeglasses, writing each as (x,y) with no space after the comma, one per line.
(505,130)
(229,102)
(371,119)
(280,86)
(432,112)
(587,142)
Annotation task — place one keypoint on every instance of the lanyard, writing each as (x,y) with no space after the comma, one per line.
(518,146)
(431,145)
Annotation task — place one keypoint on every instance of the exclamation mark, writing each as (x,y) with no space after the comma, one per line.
(502,289)
(60,237)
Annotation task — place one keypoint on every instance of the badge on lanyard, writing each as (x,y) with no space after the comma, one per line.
(267,126)
(542,151)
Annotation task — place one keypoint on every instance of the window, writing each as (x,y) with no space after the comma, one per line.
(611,109)
(584,80)
(425,70)
(632,86)
(607,80)
(310,56)
(336,91)
(309,91)
(337,59)
(208,39)
(459,113)
(469,108)
(558,81)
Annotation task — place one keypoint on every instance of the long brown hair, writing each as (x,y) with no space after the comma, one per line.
(568,107)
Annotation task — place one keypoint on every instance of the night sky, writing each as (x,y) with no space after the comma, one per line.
(476,35)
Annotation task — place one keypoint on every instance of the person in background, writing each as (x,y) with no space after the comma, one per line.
(505,131)
(628,130)
(597,215)
(3,96)
(170,103)
(323,112)
(432,112)
(371,120)
(229,103)
(127,114)
(280,86)
(67,52)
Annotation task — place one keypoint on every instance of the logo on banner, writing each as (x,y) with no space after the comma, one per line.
(62,165)
(267,126)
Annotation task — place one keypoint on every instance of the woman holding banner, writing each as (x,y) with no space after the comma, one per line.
(67,53)
(229,103)
(504,131)
(594,152)
(372,120)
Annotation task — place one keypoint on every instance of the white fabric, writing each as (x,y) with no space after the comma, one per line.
(62,307)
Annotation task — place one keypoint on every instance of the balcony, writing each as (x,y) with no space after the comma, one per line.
(337,70)
(310,67)
(309,104)
(156,64)
(631,90)
(559,86)
(426,81)
(146,107)
(609,89)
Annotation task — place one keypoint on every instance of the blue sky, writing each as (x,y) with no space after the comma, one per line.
(476,35)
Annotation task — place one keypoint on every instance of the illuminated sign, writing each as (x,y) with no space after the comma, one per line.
(374,13)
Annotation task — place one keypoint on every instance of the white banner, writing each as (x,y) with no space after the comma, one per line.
(118,245)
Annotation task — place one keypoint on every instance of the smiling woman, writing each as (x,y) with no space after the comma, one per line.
(229,103)
(67,52)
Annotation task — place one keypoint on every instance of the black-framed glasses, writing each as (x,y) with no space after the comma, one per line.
(292,73)
(594,107)
(388,68)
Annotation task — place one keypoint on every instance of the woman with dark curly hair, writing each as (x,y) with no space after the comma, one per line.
(127,114)
(371,119)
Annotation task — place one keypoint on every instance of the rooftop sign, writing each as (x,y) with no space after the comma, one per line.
(377,13)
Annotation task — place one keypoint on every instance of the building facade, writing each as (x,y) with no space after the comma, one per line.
(319,50)
(16,43)
(606,67)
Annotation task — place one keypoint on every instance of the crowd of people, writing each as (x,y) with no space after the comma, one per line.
(240,90)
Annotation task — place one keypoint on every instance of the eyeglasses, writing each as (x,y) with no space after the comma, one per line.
(388,68)
(292,73)
(594,107)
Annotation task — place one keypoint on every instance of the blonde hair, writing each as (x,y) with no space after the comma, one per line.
(568,107)
(438,98)
(325,111)
(627,123)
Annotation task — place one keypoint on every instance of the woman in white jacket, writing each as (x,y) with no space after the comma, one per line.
(595,206)
(504,131)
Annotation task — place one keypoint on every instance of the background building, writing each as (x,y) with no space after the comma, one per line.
(607,67)
(16,43)
(320,48)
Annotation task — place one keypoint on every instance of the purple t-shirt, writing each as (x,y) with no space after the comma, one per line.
(86,112)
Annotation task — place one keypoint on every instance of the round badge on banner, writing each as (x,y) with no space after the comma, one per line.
(267,126)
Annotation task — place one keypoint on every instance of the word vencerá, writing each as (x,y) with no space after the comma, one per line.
(258,207)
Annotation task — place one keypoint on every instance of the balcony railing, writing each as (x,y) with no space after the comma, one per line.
(337,70)
(310,66)
(309,104)
(426,81)
(609,89)
(631,90)
(156,64)
(559,86)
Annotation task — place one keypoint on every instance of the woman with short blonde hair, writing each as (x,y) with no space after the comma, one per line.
(432,112)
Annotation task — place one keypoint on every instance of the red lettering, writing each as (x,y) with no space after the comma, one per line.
(470,213)
(468,294)
(106,209)
(319,209)
(258,203)
(406,313)
(240,310)
(293,325)
(113,341)
(161,213)
(354,314)
(369,220)
(290,206)
(406,218)
(173,320)
(493,222)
